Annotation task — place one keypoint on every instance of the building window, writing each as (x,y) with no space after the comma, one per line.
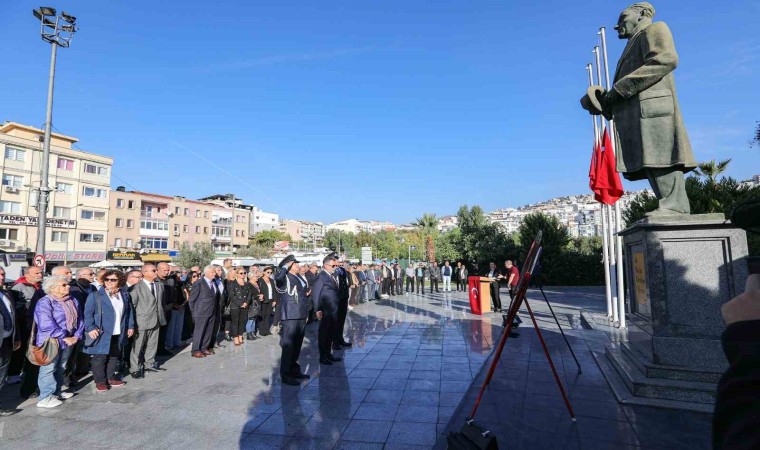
(176,210)
(14,154)
(60,212)
(197,213)
(9,233)
(131,204)
(95,170)
(130,223)
(156,243)
(119,223)
(205,230)
(89,214)
(176,245)
(60,236)
(197,230)
(128,243)
(10,207)
(90,237)
(205,214)
(13,180)
(154,224)
(65,164)
(88,191)
(187,211)
(184,228)
(64,188)
(120,203)
(117,242)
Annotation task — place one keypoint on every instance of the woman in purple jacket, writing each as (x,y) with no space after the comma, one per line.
(56,317)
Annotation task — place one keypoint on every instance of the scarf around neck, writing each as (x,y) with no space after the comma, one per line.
(69,309)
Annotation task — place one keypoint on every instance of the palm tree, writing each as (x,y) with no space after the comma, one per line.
(428,224)
(711,169)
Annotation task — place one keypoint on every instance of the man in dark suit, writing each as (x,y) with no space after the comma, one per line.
(295,310)
(343,294)
(204,305)
(325,296)
(311,278)
(10,337)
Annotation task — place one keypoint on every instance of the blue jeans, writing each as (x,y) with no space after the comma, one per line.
(250,326)
(51,376)
(174,330)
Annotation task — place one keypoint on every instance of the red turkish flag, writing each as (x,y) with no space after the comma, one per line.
(608,187)
(596,155)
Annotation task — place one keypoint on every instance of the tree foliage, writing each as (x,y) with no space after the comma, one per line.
(254,251)
(428,224)
(711,169)
(479,241)
(267,238)
(199,254)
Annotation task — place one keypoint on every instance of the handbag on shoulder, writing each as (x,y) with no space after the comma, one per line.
(44,354)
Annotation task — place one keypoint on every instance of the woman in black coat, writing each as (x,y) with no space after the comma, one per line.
(239,297)
(254,310)
(268,302)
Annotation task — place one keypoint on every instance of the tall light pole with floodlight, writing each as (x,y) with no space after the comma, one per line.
(58,30)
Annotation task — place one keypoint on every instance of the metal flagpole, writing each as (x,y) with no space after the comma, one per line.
(603,209)
(610,221)
(618,219)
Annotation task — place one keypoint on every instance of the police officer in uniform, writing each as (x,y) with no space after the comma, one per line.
(343,294)
(294,306)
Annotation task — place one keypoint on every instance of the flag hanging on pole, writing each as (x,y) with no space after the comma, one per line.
(596,154)
(608,187)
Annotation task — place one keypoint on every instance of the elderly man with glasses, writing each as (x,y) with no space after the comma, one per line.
(149,317)
(79,288)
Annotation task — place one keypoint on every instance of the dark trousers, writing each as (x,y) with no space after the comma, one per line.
(461,284)
(434,284)
(162,332)
(495,295)
(18,357)
(203,333)
(238,318)
(6,351)
(409,282)
(29,381)
(291,342)
(265,319)
(277,315)
(341,321)
(421,285)
(326,333)
(392,286)
(104,366)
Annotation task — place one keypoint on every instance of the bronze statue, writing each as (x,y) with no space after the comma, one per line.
(651,137)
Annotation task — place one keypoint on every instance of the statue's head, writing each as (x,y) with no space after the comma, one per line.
(634,18)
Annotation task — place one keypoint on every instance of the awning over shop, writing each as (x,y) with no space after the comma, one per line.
(118,263)
(155,257)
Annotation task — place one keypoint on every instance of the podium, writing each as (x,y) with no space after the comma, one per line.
(480,294)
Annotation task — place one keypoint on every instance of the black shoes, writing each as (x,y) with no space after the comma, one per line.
(137,375)
(326,361)
(250,337)
(337,347)
(301,376)
(334,358)
(156,368)
(290,381)
(346,344)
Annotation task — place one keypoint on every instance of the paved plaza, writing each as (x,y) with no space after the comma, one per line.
(411,377)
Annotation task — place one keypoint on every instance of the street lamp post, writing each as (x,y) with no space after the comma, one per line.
(58,30)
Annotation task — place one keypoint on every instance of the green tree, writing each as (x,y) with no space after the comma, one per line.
(199,254)
(267,238)
(479,241)
(342,241)
(254,251)
(428,224)
(710,169)
(554,242)
(445,245)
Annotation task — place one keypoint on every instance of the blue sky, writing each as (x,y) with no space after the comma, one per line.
(327,110)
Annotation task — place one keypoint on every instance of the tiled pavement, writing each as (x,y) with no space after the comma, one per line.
(407,380)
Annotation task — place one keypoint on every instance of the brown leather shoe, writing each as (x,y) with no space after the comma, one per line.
(198,355)
(208,352)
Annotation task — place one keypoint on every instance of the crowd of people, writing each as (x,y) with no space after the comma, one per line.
(114,322)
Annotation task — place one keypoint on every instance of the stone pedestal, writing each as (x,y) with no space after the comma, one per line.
(680,272)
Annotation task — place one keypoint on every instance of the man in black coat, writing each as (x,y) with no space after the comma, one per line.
(204,305)
(295,309)
(325,296)
(343,294)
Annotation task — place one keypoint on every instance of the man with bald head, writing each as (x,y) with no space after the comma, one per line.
(149,317)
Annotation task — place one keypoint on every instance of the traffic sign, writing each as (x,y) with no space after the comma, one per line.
(39,261)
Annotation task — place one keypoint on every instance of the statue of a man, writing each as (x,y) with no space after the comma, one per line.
(651,137)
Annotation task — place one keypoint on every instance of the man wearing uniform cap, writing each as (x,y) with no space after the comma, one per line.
(294,307)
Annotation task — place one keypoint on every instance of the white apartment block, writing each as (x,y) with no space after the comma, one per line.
(263,221)
(77,231)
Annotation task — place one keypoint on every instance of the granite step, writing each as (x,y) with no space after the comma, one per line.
(651,370)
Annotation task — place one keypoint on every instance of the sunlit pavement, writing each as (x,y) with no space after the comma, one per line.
(407,380)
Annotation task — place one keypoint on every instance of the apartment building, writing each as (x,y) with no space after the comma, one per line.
(263,221)
(231,220)
(77,219)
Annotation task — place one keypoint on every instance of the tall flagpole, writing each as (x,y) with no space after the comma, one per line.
(618,219)
(610,221)
(603,210)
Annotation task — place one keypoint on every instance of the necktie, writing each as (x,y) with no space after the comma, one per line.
(153,289)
